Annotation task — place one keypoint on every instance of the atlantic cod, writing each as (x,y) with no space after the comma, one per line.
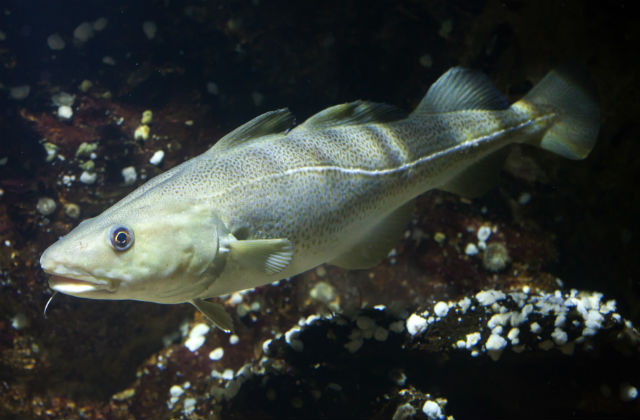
(270,200)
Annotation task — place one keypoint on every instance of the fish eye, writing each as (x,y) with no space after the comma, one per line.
(121,238)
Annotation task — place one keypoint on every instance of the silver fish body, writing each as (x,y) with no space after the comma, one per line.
(268,202)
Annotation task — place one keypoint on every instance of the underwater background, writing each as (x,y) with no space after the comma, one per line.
(520,303)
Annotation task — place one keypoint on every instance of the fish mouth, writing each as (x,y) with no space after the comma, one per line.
(70,286)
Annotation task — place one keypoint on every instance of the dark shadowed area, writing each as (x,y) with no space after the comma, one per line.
(417,336)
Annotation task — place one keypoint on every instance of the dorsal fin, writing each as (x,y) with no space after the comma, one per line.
(461,89)
(271,122)
(357,112)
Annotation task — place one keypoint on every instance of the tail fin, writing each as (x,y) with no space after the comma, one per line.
(567,91)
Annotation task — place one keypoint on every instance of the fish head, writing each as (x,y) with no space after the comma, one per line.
(165,252)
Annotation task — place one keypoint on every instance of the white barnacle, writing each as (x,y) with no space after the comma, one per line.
(416,324)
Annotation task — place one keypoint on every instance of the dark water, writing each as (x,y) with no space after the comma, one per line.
(203,68)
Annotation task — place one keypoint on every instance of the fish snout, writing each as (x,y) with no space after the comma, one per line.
(65,278)
(47,262)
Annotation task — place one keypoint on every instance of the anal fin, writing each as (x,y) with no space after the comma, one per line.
(214,313)
(379,240)
(478,178)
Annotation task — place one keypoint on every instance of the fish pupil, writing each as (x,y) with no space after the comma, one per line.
(121,238)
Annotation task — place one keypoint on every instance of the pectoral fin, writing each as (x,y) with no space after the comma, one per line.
(270,255)
(214,313)
(378,241)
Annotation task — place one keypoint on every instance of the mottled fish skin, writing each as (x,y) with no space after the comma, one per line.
(323,188)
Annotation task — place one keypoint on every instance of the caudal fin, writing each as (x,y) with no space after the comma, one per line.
(567,92)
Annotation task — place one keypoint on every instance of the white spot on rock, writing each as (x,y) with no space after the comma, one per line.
(189,405)
(404,411)
(494,345)
(157,157)
(323,292)
(228,374)
(464,304)
(265,346)
(489,297)
(129,174)
(88,177)
(416,324)
(628,392)
(176,391)
(432,410)
(483,233)
(593,319)
(559,337)
(46,206)
(19,321)
(441,309)
(472,339)
(535,327)
(65,112)
(216,354)
(499,319)
(495,342)
(471,249)
(197,337)
(291,337)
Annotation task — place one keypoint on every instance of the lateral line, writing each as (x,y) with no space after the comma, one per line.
(469,144)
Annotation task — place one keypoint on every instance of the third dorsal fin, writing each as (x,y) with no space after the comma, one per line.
(461,89)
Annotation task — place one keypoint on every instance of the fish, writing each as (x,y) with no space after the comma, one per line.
(272,199)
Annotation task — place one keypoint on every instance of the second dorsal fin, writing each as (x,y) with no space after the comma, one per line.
(461,89)
(272,122)
(357,112)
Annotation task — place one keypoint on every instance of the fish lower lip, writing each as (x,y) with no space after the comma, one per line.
(69,285)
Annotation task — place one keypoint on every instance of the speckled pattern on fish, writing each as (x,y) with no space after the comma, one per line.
(269,201)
